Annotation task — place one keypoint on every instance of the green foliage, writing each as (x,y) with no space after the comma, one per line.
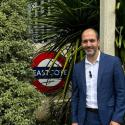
(18,101)
(18,98)
(66,20)
(13,19)
(11,51)
(120,30)
(15,59)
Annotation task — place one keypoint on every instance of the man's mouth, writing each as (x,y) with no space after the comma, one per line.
(89,49)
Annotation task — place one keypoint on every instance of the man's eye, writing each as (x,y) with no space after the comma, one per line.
(89,40)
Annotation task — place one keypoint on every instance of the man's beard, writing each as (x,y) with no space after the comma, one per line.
(90,53)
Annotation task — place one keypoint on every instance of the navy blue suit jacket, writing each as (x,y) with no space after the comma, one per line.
(110,91)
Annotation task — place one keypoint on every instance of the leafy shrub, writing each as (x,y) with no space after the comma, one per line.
(18,98)
(15,59)
(18,101)
(13,19)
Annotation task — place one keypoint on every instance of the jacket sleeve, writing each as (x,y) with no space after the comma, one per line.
(119,83)
(74,98)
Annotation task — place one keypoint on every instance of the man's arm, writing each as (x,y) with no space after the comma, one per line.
(119,83)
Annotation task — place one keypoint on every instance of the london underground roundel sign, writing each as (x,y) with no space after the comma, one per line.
(48,79)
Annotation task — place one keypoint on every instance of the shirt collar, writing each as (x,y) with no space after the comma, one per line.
(97,60)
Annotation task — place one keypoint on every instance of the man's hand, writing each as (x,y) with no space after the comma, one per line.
(74,123)
(114,123)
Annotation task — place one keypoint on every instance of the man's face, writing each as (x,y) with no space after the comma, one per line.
(90,43)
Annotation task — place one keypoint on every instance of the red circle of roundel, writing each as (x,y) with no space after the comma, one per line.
(39,86)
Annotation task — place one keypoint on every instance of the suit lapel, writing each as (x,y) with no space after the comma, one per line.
(83,75)
(101,68)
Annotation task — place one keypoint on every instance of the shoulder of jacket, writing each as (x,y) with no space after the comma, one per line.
(110,56)
(79,63)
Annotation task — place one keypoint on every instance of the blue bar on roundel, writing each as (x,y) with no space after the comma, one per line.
(45,73)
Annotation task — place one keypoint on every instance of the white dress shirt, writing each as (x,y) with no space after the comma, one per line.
(91,70)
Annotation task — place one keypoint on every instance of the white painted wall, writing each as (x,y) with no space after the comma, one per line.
(107,26)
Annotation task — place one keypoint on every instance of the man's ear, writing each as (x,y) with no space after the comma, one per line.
(99,44)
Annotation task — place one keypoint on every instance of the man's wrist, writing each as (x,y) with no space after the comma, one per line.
(75,123)
(114,123)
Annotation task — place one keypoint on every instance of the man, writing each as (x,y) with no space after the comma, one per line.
(98,95)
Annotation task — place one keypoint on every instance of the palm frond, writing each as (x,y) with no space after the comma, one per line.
(64,22)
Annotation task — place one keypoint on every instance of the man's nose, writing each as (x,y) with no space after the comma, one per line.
(88,43)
